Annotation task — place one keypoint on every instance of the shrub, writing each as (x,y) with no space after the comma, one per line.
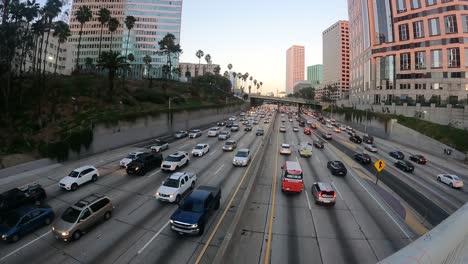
(147,95)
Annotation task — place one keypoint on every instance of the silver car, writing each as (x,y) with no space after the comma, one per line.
(324,193)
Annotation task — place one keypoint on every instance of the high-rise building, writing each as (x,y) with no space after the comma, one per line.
(409,51)
(155,19)
(335,60)
(294,67)
(315,74)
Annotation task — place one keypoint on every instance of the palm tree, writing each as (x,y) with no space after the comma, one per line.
(62,32)
(129,23)
(113,61)
(246,77)
(255,82)
(229,66)
(217,70)
(251,78)
(83,15)
(113,26)
(208,61)
(147,60)
(30,13)
(103,17)
(131,58)
(199,55)
(51,9)
(37,29)
(226,74)
(261,83)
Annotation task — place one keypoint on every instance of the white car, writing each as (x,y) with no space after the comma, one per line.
(159,146)
(214,131)
(232,118)
(290,120)
(285,149)
(195,133)
(175,161)
(130,157)
(200,150)
(295,129)
(242,158)
(451,180)
(309,122)
(79,177)
(343,128)
(282,129)
(175,186)
(224,135)
(370,147)
(329,125)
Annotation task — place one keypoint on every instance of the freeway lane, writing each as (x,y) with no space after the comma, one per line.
(137,217)
(360,228)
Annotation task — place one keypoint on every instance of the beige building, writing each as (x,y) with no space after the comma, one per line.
(194,69)
(295,67)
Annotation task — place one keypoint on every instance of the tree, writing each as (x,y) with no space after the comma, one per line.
(83,15)
(62,32)
(131,58)
(103,17)
(226,74)
(229,66)
(251,78)
(88,63)
(147,61)
(217,70)
(208,60)
(51,9)
(199,55)
(168,47)
(129,23)
(112,61)
(37,29)
(30,12)
(113,25)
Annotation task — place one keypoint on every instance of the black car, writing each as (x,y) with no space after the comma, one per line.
(301,123)
(144,163)
(337,168)
(229,124)
(248,128)
(260,132)
(418,159)
(397,155)
(356,139)
(17,197)
(318,144)
(404,165)
(222,123)
(363,158)
(368,139)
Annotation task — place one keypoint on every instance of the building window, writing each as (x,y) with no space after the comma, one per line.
(401,6)
(418,28)
(450,24)
(404,34)
(405,61)
(420,86)
(420,60)
(434,27)
(415,4)
(436,58)
(465,23)
(453,57)
(431,2)
(466,58)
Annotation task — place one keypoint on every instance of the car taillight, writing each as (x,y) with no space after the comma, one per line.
(320,194)
(334,195)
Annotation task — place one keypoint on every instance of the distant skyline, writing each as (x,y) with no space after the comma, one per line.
(254,35)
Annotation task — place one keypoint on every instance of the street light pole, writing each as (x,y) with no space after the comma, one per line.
(170,100)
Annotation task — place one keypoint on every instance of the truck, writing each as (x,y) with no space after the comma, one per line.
(17,197)
(195,210)
(174,187)
(144,163)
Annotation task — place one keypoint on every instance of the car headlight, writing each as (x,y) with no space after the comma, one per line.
(194,225)
(171,195)
(4,236)
(65,233)
(171,221)
(157,194)
(137,168)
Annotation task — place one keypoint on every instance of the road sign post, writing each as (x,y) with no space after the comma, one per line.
(379,166)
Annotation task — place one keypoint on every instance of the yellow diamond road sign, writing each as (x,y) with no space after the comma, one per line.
(379,165)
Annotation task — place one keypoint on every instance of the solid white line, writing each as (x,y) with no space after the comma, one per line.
(25,246)
(153,173)
(154,237)
(339,193)
(212,152)
(308,201)
(220,168)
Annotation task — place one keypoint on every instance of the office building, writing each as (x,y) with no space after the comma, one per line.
(315,74)
(294,67)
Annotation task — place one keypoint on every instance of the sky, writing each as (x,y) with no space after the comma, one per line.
(254,35)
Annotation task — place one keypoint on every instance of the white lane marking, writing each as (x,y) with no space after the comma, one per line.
(220,168)
(153,173)
(339,193)
(20,248)
(308,201)
(153,238)
(242,144)
(213,152)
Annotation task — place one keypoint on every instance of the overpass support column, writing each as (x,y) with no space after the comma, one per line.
(299,106)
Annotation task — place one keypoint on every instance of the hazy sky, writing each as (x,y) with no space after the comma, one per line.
(254,35)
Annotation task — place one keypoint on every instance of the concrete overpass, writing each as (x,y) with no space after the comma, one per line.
(256,99)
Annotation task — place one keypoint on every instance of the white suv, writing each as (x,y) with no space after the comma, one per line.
(78,177)
(175,161)
(214,131)
(175,186)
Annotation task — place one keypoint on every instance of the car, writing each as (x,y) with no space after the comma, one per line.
(356,139)
(246,122)
(28,194)
(285,149)
(368,139)
(318,144)
(290,119)
(305,150)
(307,131)
(363,158)
(24,220)
(348,128)
(158,146)
(404,165)
(235,128)
(337,168)
(181,134)
(327,136)
(224,135)
(309,122)
(232,118)
(329,125)
(323,193)
(343,127)
(301,123)
(195,210)
(351,133)
(336,130)
(229,123)
(282,129)
(134,155)
(323,122)
(82,216)
(451,180)
(144,163)
(175,186)
(78,177)
(214,131)
(418,159)
(229,145)
(283,120)
(260,132)
(370,147)
(295,129)
(313,126)
(175,161)
(248,128)
(195,133)
(266,121)
(242,157)
(255,122)
(200,150)
(221,123)
(397,155)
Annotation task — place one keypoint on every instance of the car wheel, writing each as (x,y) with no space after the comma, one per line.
(192,186)
(94,178)
(187,162)
(47,221)
(74,187)
(15,238)
(177,199)
(107,215)
(218,203)
(77,235)
(451,184)
(438,179)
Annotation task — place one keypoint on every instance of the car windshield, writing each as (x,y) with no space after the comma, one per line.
(224,133)
(192,205)
(133,156)
(194,131)
(172,158)
(214,129)
(181,132)
(74,174)
(293,176)
(71,215)
(229,143)
(11,220)
(199,147)
(171,183)
(242,154)
(158,143)
(285,146)
(455,177)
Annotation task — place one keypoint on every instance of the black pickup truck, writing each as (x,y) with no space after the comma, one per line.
(14,198)
(195,210)
(144,163)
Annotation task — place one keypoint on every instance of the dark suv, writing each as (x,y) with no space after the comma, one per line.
(337,168)
(404,165)
(356,139)
(144,163)
(362,158)
(397,155)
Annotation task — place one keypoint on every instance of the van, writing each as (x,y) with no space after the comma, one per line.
(291,177)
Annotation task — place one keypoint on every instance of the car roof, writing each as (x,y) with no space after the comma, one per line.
(177,154)
(177,175)
(293,166)
(325,186)
(285,145)
(89,200)
(199,194)
(82,168)
(243,150)
(201,144)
